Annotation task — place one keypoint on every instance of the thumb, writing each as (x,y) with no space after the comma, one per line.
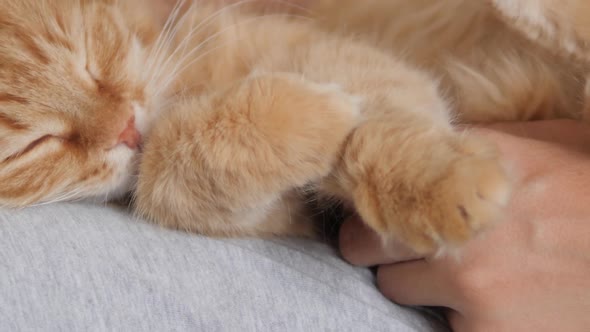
(361,246)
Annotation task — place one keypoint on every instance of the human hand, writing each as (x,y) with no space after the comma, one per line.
(529,273)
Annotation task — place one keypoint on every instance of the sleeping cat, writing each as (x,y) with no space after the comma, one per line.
(222,119)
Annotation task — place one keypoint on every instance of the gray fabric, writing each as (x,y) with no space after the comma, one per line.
(78,267)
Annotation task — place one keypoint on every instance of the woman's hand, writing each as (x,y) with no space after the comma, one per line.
(531,272)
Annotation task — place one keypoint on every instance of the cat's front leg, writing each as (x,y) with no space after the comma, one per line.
(227,164)
(411,176)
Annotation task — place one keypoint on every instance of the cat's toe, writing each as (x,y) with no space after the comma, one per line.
(469,199)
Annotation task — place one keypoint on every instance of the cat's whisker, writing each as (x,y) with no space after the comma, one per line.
(66,196)
(202,25)
(51,201)
(182,45)
(172,76)
(292,5)
(156,47)
(167,26)
(205,22)
(169,39)
(177,70)
(73,195)
(166,30)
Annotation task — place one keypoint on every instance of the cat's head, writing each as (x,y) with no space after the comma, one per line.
(75,96)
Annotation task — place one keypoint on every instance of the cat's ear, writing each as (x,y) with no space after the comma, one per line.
(563,25)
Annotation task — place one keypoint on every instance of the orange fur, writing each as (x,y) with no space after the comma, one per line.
(242,111)
(561,26)
(65,98)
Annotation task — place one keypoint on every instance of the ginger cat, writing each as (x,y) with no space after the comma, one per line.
(241,112)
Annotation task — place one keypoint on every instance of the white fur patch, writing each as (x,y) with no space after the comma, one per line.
(337,90)
(142,120)
(531,11)
(125,163)
(540,15)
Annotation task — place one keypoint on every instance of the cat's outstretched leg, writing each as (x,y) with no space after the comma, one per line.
(226,164)
(410,174)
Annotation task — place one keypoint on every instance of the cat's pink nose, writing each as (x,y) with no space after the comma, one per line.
(130,136)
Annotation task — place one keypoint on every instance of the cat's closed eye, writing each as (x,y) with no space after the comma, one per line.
(33,145)
(37,142)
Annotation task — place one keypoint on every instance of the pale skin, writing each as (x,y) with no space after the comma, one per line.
(530,272)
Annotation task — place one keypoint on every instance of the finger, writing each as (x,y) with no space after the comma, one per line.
(524,158)
(359,245)
(515,139)
(457,321)
(415,283)
(519,156)
(564,132)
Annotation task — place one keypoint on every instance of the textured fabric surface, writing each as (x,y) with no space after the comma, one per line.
(77,267)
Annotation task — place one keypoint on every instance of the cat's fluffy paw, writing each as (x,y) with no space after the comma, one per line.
(465,201)
(449,203)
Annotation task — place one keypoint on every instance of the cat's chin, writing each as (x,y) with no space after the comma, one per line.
(125,163)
